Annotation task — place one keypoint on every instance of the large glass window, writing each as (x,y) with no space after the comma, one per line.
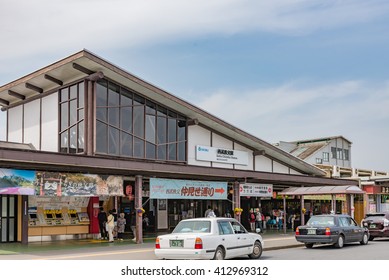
(130,125)
(71,105)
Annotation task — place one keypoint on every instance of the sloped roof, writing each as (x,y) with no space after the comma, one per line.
(322,190)
(329,138)
(304,151)
(84,63)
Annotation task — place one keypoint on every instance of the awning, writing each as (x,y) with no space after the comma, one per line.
(322,190)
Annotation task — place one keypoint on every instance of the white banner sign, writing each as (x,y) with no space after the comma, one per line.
(222,155)
(257,190)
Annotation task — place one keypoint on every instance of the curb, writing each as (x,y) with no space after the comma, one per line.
(283,247)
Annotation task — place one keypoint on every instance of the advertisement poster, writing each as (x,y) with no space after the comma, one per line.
(14,181)
(187,189)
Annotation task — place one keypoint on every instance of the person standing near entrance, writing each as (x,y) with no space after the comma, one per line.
(252,220)
(258,221)
(110,225)
(133,224)
(209,209)
(102,217)
(121,224)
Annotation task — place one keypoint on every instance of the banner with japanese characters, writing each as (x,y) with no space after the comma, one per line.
(187,189)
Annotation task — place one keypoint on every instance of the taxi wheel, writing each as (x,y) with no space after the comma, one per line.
(257,251)
(219,254)
(340,242)
(365,239)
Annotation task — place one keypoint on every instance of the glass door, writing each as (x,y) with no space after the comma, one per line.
(8,218)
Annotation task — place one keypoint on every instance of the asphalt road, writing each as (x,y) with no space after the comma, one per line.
(375,250)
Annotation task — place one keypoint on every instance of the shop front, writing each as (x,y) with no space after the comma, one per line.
(327,200)
(184,199)
(46,206)
(378,198)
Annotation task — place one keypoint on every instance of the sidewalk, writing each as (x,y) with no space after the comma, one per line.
(274,240)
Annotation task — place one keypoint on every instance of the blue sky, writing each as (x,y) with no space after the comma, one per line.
(280,70)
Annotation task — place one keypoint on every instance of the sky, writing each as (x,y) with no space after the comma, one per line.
(281,70)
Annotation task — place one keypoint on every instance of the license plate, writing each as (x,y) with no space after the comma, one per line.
(176,243)
(311,231)
(372,226)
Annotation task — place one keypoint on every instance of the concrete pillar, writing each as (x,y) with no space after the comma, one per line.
(284,218)
(138,205)
(333,203)
(236,200)
(352,209)
(302,217)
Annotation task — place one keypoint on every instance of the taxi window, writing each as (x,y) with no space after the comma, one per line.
(238,228)
(345,221)
(225,228)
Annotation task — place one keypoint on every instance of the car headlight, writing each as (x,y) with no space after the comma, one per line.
(386,223)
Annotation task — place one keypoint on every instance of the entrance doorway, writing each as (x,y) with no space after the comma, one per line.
(8,209)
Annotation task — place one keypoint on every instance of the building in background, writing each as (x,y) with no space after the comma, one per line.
(83,133)
(333,155)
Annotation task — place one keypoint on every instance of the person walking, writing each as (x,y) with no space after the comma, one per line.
(121,225)
(209,209)
(110,226)
(102,217)
(258,221)
(133,224)
(252,220)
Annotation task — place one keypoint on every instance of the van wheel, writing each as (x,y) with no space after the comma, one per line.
(309,245)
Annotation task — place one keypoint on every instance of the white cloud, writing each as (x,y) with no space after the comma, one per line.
(45,25)
(356,110)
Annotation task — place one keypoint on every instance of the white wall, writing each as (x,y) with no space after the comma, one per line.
(263,163)
(197,136)
(36,122)
(292,171)
(201,136)
(250,156)
(32,123)
(279,168)
(50,123)
(3,125)
(15,124)
(221,142)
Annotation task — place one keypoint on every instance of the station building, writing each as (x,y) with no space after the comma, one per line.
(83,133)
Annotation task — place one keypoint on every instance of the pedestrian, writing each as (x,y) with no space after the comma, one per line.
(110,226)
(115,220)
(252,220)
(121,224)
(258,220)
(227,214)
(216,211)
(209,209)
(133,224)
(102,217)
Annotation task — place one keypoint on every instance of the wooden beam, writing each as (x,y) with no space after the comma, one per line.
(3,101)
(192,122)
(82,69)
(17,95)
(34,88)
(50,78)
(259,153)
